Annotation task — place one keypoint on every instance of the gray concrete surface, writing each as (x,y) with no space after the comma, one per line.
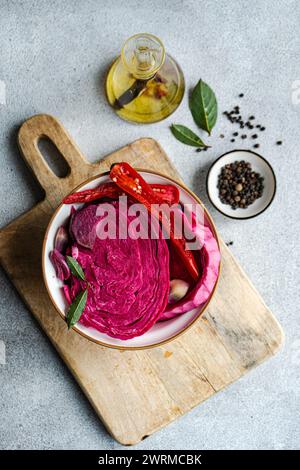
(53,59)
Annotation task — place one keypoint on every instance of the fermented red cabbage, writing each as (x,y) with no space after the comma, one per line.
(128,279)
(210,264)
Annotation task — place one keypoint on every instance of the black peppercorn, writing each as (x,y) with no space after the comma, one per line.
(239,186)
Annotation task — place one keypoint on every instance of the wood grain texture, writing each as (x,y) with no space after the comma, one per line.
(136,392)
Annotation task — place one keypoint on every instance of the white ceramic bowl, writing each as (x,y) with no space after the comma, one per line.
(259,165)
(161,332)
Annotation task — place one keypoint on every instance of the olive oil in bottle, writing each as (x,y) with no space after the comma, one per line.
(144,84)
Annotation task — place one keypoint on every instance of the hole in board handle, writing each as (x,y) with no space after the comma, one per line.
(53,157)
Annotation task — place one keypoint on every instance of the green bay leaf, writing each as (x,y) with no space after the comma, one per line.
(75,267)
(76,308)
(204,106)
(186,136)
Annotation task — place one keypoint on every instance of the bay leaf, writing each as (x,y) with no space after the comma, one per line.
(204,106)
(75,267)
(186,136)
(76,308)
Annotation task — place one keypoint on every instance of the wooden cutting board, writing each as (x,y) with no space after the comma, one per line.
(135,393)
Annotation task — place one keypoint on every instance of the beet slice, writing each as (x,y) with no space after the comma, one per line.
(83,226)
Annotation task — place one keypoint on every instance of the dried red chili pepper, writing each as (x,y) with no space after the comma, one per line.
(132,183)
(164,192)
(109,190)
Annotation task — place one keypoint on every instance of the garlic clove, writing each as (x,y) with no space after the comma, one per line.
(61,239)
(178,289)
(61,268)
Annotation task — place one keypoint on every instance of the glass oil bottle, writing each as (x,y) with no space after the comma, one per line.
(144,84)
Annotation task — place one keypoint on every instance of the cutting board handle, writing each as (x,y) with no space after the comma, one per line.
(46,126)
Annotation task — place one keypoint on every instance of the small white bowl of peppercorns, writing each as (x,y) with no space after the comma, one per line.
(241,184)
